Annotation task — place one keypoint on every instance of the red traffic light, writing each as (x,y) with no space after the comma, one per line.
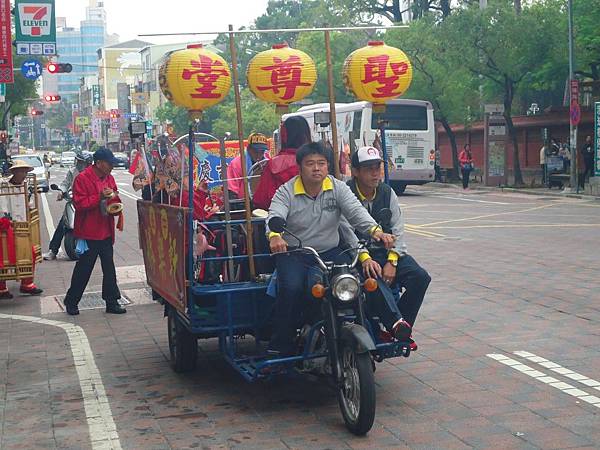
(35,112)
(59,67)
(52,98)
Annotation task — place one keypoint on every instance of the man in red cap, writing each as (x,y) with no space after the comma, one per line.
(93,190)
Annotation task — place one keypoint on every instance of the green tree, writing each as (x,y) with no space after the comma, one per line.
(176,115)
(257,116)
(58,116)
(492,44)
(586,17)
(450,87)
(18,95)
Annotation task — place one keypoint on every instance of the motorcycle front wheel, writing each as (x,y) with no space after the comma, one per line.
(356,395)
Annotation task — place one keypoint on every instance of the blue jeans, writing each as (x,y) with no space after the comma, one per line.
(296,274)
(383,302)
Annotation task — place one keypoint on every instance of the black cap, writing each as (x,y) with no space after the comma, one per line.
(104,154)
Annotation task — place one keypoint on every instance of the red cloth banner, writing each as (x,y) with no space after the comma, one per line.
(162,231)
(6,61)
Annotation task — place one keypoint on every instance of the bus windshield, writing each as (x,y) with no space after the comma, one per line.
(403,117)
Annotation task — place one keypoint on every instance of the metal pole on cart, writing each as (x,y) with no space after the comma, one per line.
(222,152)
(190,201)
(334,136)
(238,108)
(386,172)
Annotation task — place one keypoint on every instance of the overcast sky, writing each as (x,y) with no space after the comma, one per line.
(128,18)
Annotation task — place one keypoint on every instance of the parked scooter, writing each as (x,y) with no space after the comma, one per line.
(69,241)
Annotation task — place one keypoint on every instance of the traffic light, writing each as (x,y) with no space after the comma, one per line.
(52,98)
(36,112)
(59,67)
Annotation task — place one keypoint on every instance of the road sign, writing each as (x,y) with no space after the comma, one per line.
(574,91)
(2,92)
(95,95)
(130,115)
(35,27)
(495,108)
(6,62)
(575,113)
(31,69)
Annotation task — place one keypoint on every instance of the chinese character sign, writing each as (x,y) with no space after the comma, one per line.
(282,75)
(195,78)
(377,73)
(6,62)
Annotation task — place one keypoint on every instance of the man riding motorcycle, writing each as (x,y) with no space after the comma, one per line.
(81,162)
(394,268)
(312,204)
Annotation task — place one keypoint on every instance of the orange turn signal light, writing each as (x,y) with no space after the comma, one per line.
(318,291)
(370,285)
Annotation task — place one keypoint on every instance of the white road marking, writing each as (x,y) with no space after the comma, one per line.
(560,369)
(473,200)
(130,195)
(47,216)
(101,425)
(540,376)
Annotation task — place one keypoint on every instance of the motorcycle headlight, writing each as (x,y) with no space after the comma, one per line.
(346,288)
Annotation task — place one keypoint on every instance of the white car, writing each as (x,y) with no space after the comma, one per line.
(67,159)
(42,175)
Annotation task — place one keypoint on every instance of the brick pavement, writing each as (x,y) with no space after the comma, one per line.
(495,289)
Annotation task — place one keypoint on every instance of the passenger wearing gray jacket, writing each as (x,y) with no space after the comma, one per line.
(312,204)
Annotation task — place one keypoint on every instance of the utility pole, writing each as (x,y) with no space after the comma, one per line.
(572,129)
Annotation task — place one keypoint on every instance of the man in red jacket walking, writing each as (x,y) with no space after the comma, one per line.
(93,190)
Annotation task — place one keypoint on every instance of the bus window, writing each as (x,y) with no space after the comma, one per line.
(403,117)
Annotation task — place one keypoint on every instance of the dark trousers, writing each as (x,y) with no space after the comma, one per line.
(58,235)
(543,173)
(410,276)
(589,169)
(296,274)
(83,270)
(465,177)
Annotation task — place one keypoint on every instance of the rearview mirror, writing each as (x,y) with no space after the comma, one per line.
(277,224)
(383,215)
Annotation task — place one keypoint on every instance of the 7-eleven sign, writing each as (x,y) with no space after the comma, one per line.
(35,27)
(35,19)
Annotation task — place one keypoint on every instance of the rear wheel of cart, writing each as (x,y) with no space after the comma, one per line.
(183,345)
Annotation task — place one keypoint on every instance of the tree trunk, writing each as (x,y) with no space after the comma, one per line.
(452,137)
(445,7)
(518,7)
(396,12)
(508,98)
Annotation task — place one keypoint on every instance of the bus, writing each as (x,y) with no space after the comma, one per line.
(409,135)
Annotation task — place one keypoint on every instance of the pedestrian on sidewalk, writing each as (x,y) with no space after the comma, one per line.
(587,153)
(14,207)
(81,163)
(543,163)
(93,190)
(466,165)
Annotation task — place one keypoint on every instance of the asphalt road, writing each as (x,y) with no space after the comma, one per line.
(508,348)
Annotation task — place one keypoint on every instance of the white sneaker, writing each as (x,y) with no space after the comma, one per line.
(50,256)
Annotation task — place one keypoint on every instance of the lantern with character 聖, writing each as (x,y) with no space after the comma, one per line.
(377,73)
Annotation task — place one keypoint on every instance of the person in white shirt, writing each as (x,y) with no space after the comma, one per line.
(15,208)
